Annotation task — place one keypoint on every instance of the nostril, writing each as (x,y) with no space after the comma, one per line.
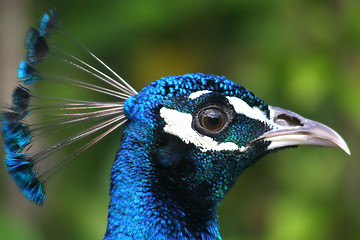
(287,120)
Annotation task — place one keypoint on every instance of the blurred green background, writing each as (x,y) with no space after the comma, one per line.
(303,55)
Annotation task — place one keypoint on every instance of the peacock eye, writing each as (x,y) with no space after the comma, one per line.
(211,120)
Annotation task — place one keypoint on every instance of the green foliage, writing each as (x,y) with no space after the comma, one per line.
(301,55)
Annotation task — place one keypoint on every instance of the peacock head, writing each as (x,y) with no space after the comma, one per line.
(206,130)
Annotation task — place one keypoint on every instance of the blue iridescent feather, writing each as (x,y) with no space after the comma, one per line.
(27,73)
(21,99)
(36,46)
(15,131)
(16,134)
(48,22)
(21,169)
(146,162)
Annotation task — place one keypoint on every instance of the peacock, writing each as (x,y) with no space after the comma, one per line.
(186,138)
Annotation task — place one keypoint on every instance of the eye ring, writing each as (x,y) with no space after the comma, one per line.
(211,120)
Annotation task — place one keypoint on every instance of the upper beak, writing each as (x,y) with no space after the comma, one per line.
(294,130)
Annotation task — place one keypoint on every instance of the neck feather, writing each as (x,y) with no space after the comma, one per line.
(141,207)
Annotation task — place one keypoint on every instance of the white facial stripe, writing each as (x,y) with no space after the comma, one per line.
(241,107)
(179,124)
(197,94)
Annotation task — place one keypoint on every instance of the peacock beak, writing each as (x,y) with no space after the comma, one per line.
(293,129)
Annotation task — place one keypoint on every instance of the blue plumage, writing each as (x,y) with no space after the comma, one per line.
(27,73)
(36,46)
(15,131)
(186,140)
(157,174)
(48,23)
(16,134)
(20,166)
(21,99)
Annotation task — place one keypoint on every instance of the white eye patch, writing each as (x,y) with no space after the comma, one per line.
(197,94)
(179,124)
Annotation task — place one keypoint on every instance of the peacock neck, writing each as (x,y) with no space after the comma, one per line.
(141,207)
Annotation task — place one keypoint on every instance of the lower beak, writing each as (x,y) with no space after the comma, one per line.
(293,129)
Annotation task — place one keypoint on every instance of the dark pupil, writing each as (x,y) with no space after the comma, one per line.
(212,119)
